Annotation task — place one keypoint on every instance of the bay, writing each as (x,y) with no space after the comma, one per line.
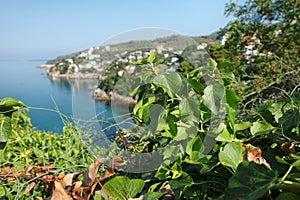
(22,80)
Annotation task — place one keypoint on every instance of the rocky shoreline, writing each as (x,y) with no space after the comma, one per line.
(110,98)
(73,76)
(45,66)
(113,98)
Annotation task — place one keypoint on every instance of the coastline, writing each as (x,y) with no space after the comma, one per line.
(112,98)
(73,76)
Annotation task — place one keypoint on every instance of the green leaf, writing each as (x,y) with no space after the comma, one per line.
(231,116)
(151,57)
(282,161)
(135,87)
(242,126)
(225,136)
(162,173)
(194,149)
(198,87)
(288,196)
(176,170)
(8,105)
(232,155)
(172,127)
(152,195)
(179,185)
(137,106)
(212,63)
(101,195)
(228,78)
(171,83)
(160,61)
(213,96)
(250,181)
(135,187)
(139,62)
(189,110)
(231,98)
(121,187)
(289,120)
(260,128)
(275,109)
(39,153)
(223,65)
(184,133)
(296,163)
(5,130)
(145,113)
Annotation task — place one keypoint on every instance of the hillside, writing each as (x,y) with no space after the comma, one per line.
(92,62)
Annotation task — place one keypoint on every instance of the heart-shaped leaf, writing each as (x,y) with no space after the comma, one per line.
(213,96)
(232,155)
(171,83)
(121,187)
(251,181)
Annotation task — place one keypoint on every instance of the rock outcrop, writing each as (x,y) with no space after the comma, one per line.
(113,98)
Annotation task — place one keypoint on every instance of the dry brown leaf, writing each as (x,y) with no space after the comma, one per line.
(59,193)
(77,190)
(288,147)
(61,175)
(9,173)
(89,177)
(88,191)
(5,170)
(169,193)
(117,162)
(109,171)
(27,170)
(29,187)
(70,178)
(254,154)
(89,182)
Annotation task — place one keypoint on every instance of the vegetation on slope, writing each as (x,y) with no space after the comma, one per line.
(254,153)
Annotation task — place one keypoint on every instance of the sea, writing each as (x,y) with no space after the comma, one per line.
(53,102)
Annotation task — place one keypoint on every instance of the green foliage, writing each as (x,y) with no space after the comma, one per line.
(178,111)
(191,174)
(88,70)
(27,147)
(121,187)
(223,130)
(232,155)
(262,48)
(251,181)
(7,107)
(5,130)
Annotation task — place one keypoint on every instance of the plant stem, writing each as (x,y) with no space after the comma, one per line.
(287,185)
(286,174)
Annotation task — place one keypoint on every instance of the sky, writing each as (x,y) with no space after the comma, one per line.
(45,29)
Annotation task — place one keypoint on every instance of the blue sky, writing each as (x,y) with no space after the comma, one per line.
(49,28)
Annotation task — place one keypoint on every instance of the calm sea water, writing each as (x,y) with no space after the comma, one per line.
(24,81)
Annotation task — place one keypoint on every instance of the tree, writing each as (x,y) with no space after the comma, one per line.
(263,44)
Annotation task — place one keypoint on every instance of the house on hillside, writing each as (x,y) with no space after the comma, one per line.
(73,68)
(251,47)
(224,38)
